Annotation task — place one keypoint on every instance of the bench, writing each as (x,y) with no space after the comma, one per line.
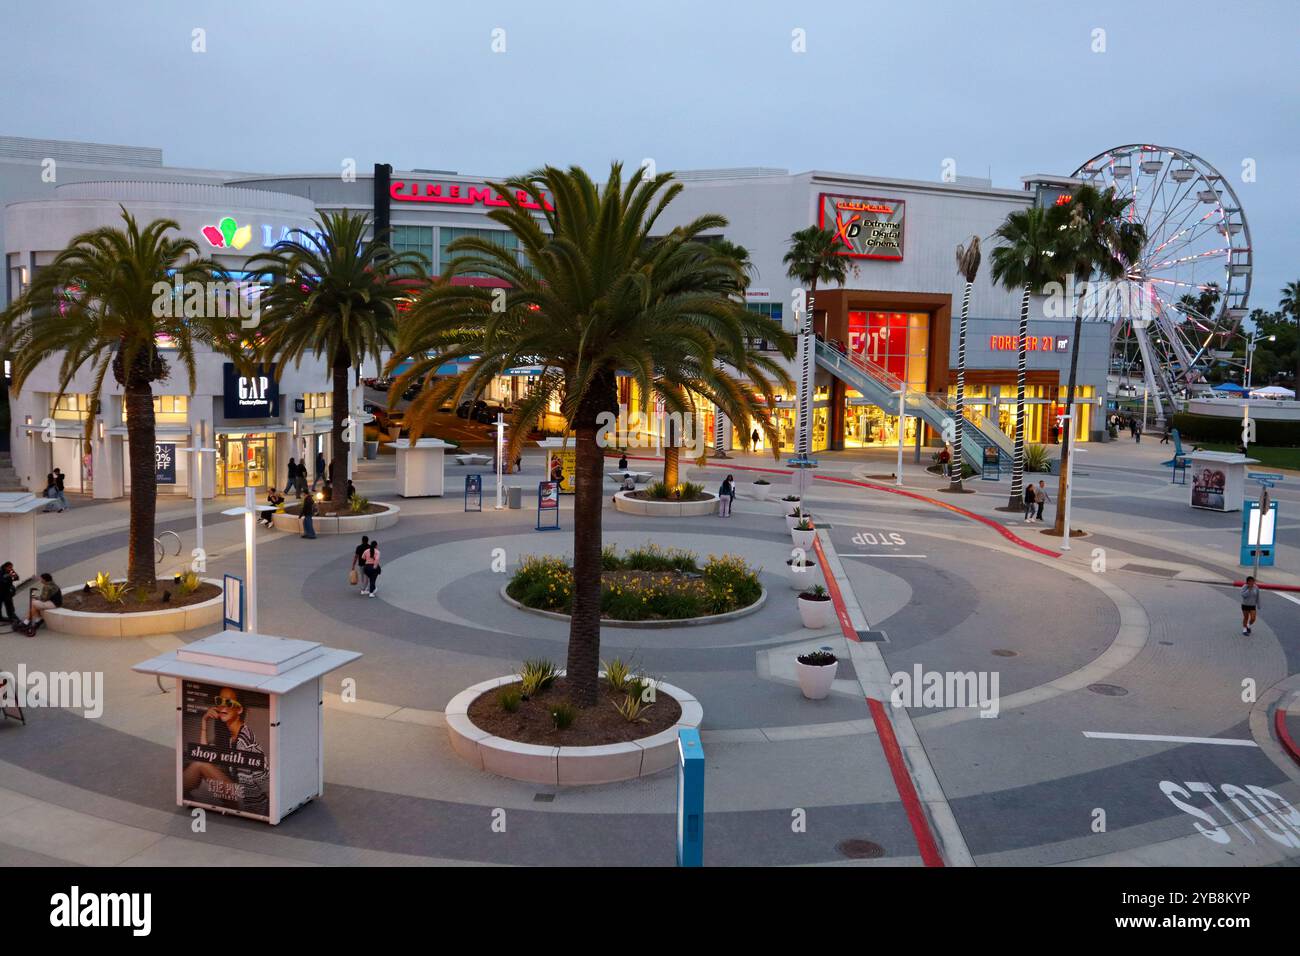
(640,477)
(474,458)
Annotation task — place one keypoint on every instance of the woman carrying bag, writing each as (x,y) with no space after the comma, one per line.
(370,565)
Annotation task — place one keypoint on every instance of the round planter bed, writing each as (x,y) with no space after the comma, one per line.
(207,613)
(678,622)
(345,523)
(565,766)
(655,508)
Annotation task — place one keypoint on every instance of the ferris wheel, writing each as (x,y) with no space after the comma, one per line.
(1194,272)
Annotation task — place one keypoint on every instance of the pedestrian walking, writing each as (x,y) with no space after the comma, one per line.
(370,565)
(1029,502)
(8,590)
(308,513)
(1249,605)
(726,496)
(302,479)
(58,484)
(753,439)
(1137,431)
(292,483)
(1164,438)
(1041,497)
(354,573)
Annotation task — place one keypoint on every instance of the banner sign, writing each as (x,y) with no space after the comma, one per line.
(562,466)
(224,764)
(548,503)
(474,489)
(164,455)
(233,616)
(865,227)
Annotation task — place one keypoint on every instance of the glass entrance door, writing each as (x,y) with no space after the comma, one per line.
(244,462)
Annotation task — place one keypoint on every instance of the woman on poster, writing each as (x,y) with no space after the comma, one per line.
(242,778)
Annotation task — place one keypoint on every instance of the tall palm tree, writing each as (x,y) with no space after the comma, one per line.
(593,296)
(335,296)
(1025,260)
(122,318)
(812,259)
(1290,305)
(968,266)
(746,270)
(1097,242)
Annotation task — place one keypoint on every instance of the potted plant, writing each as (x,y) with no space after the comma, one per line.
(804,534)
(792,500)
(815,607)
(802,572)
(794,517)
(816,672)
(761,488)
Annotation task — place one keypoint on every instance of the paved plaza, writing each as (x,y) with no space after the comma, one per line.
(1111,681)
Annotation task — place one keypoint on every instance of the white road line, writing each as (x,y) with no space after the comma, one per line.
(1290,597)
(884,555)
(1173,740)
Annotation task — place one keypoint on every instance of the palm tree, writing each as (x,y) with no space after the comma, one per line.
(1290,305)
(107,301)
(968,266)
(594,295)
(334,295)
(1098,241)
(746,271)
(1025,261)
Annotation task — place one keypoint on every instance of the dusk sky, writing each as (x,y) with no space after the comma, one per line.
(1002,88)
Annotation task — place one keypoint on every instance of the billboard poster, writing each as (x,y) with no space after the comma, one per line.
(164,456)
(548,495)
(224,735)
(562,466)
(865,227)
(1207,489)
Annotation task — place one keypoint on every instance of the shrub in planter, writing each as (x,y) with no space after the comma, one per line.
(803,534)
(1037,459)
(802,573)
(816,672)
(793,518)
(815,607)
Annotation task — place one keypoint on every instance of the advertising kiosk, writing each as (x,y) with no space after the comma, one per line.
(18,530)
(420,467)
(1218,479)
(249,721)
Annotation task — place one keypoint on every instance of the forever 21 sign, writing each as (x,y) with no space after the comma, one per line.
(251,396)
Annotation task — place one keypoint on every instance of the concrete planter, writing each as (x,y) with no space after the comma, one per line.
(665,509)
(815,681)
(802,577)
(803,540)
(761,492)
(793,519)
(815,616)
(652,625)
(565,766)
(140,623)
(341,524)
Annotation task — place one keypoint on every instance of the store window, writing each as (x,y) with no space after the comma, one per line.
(173,409)
(498,237)
(896,341)
(773,311)
(414,239)
(318,404)
(76,407)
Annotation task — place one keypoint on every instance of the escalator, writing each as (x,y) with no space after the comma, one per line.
(881,387)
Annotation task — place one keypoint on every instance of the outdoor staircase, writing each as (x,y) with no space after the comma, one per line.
(9,480)
(881,387)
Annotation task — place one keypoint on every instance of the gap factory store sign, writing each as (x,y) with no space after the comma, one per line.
(865,227)
(250,396)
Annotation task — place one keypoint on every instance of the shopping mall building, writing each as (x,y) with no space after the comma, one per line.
(894,321)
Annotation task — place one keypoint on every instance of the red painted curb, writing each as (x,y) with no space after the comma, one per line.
(999,528)
(1268,587)
(907,795)
(1284,735)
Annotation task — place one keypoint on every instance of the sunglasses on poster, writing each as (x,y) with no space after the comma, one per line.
(219,701)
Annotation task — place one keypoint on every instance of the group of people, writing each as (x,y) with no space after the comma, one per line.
(49,595)
(1131,422)
(298,482)
(365,563)
(1036,497)
(54,491)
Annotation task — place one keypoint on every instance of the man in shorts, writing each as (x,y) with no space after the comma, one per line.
(1249,605)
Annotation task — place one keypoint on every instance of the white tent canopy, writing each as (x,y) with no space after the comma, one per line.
(1272,391)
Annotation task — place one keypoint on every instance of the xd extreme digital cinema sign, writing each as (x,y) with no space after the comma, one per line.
(865,227)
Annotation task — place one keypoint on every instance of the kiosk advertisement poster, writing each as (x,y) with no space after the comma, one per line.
(562,466)
(548,503)
(473,492)
(224,764)
(164,455)
(1207,488)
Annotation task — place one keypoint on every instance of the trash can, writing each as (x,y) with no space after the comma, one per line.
(372,450)
(514,497)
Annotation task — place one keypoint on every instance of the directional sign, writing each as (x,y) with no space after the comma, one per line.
(1265,476)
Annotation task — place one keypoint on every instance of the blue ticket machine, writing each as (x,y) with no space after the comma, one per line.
(690,799)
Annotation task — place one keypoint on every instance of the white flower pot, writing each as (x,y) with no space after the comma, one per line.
(761,491)
(816,614)
(804,577)
(815,682)
(792,520)
(803,539)
(792,505)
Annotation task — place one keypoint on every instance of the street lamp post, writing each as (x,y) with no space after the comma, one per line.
(501,448)
(902,407)
(196,484)
(1250,354)
(250,512)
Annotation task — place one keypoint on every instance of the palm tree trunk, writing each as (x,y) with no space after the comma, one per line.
(1063,484)
(583,664)
(339,447)
(141,435)
(1017,497)
(957,466)
(672,473)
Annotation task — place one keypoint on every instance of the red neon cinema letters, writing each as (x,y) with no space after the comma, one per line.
(458,194)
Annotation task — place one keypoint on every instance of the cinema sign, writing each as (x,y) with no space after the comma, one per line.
(458,194)
(865,227)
